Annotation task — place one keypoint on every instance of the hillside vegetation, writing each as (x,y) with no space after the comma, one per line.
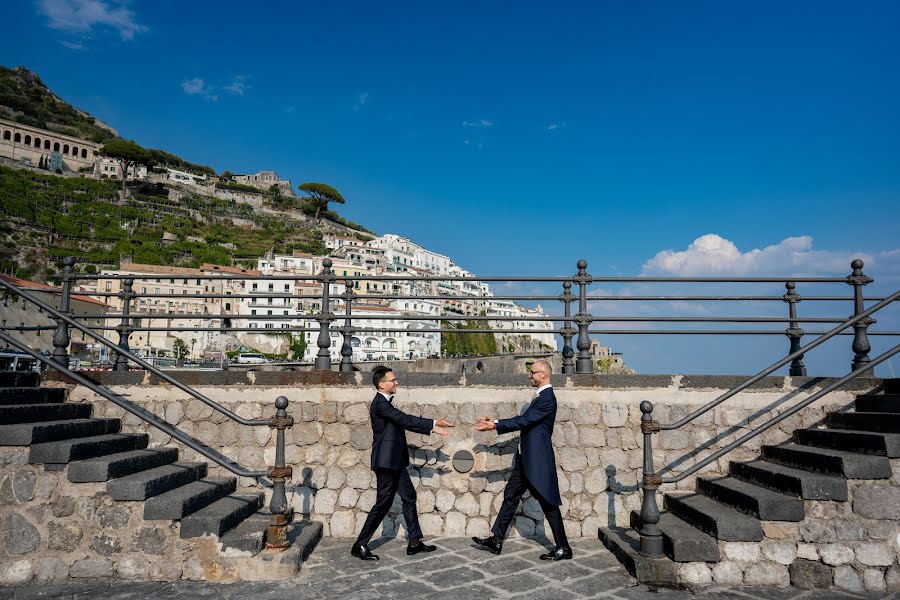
(25,99)
(48,217)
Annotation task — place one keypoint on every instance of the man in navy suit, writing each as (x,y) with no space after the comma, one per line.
(534,467)
(390,458)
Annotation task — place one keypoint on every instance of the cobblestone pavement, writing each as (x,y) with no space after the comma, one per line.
(455,571)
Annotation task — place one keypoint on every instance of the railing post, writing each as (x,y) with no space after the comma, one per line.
(347,329)
(127,295)
(61,336)
(651,538)
(861,345)
(567,331)
(276,533)
(794,332)
(584,363)
(323,357)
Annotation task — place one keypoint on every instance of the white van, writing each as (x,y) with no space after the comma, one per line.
(250,358)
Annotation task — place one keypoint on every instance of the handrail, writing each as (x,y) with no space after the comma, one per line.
(775,420)
(818,341)
(140,412)
(141,362)
(651,540)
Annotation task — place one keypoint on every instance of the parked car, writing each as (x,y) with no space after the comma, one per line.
(250,358)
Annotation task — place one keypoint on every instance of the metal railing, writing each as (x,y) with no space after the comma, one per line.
(279,472)
(651,541)
(336,315)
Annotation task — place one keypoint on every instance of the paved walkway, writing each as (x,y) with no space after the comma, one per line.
(456,571)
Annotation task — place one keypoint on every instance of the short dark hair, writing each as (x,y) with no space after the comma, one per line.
(379,373)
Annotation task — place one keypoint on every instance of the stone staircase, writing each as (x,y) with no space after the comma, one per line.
(65,437)
(810,472)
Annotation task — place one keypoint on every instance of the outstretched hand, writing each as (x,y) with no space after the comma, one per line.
(485,424)
(440,430)
(442,422)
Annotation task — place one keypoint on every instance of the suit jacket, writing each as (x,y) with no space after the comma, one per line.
(389,426)
(535,445)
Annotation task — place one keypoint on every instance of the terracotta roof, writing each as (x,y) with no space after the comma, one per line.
(226,269)
(137,268)
(31,285)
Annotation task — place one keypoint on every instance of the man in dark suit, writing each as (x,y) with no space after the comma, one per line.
(390,458)
(534,467)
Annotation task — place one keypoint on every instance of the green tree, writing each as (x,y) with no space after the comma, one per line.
(319,195)
(127,154)
(180,350)
(298,347)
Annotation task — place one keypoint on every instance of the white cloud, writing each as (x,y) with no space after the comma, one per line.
(479,123)
(72,45)
(238,85)
(556,126)
(82,16)
(712,255)
(199,87)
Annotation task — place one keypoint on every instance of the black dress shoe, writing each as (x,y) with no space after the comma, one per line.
(491,544)
(558,554)
(420,547)
(362,552)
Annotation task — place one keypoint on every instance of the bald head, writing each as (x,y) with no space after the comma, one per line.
(540,373)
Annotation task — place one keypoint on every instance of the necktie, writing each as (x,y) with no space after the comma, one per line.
(391,399)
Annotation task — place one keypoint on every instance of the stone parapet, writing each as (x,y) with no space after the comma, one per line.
(596,439)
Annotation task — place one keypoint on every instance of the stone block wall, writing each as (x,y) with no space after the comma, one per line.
(598,452)
(52,530)
(851,545)
(596,439)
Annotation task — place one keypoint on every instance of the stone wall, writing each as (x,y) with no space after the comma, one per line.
(52,530)
(851,545)
(596,440)
(597,446)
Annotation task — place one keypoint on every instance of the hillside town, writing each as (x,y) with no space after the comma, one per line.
(264,303)
(265,297)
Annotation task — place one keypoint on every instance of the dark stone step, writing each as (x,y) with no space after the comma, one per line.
(892,386)
(25,434)
(153,482)
(866,421)
(112,466)
(762,503)
(794,482)
(625,546)
(825,460)
(682,542)
(10,379)
(30,395)
(66,451)
(220,516)
(889,403)
(33,413)
(848,440)
(180,502)
(714,518)
(247,536)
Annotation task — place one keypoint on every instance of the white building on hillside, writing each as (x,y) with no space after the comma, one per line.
(402,253)
(298,263)
(383,333)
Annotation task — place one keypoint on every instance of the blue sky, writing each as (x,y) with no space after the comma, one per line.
(518,138)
